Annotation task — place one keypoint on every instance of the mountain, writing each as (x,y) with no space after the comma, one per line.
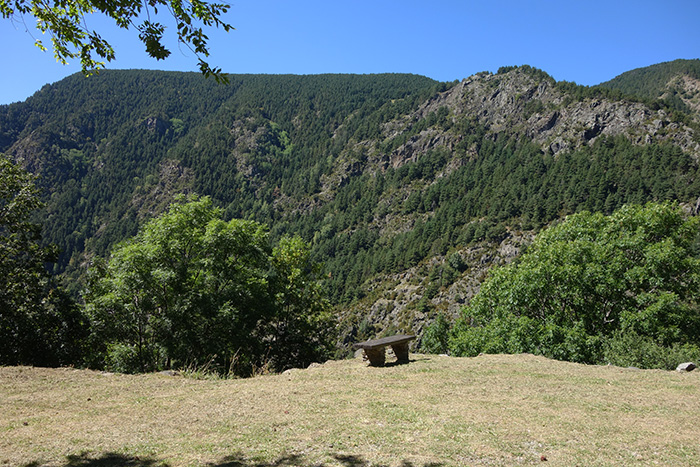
(408,189)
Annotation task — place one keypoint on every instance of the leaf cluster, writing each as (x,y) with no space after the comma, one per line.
(71,37)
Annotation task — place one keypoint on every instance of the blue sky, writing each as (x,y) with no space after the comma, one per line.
(586,42)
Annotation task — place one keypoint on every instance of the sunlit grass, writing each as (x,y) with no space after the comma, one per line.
(489,410)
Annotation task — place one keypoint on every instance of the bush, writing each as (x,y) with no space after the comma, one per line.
(589,278)
(631,349)
(125,358)
(436,336)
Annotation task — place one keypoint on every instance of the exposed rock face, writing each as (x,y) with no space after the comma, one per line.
(396,308)
(152,197)
(688,89)
(521,102)
(156,125)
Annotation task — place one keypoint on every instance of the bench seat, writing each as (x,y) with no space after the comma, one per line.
(374,349)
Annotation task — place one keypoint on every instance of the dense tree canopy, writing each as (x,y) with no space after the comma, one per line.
(66,23)
(39,324)
(595,288)
(266,146)
(193,290)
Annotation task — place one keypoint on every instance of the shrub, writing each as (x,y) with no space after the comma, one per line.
(587,279)
(631,349)
(436,336)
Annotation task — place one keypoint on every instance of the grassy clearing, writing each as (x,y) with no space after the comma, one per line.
(489,410)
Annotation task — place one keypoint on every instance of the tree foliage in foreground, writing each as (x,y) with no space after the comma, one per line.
(595,289)
(66,23)
(39,323)
(191,290)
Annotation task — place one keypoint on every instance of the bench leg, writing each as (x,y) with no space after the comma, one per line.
(376,357)
(401,352)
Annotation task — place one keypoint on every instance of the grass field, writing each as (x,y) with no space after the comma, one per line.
(435,411)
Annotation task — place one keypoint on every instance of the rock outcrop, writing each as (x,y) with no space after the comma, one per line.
(531,104)
(688,366)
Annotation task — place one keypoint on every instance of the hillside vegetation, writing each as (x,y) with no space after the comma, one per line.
(434,411)
(676,82)
(407,191)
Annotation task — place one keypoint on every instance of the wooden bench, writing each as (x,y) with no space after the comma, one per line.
(374,349)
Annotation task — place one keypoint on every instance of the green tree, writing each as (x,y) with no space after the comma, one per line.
(66,23)
(39,323)
(192,290)
(188,288)
(588,281)
(302,327)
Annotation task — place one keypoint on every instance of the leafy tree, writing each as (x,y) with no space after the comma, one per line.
(187,288)
(71,38)
(302,325)
(39,324)
(193,290)
(588,281)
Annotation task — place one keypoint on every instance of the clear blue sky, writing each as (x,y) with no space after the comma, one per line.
(586,42)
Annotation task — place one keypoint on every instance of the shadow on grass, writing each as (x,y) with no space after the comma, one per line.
(393,363)
(109,459)
(356,461)
(119,460)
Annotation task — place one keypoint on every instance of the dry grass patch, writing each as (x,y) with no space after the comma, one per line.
(489,410)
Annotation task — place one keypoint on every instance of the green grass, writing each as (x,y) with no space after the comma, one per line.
(488,410)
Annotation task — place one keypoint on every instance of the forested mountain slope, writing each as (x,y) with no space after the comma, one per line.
(114,148)
(408,189)
(676,82)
